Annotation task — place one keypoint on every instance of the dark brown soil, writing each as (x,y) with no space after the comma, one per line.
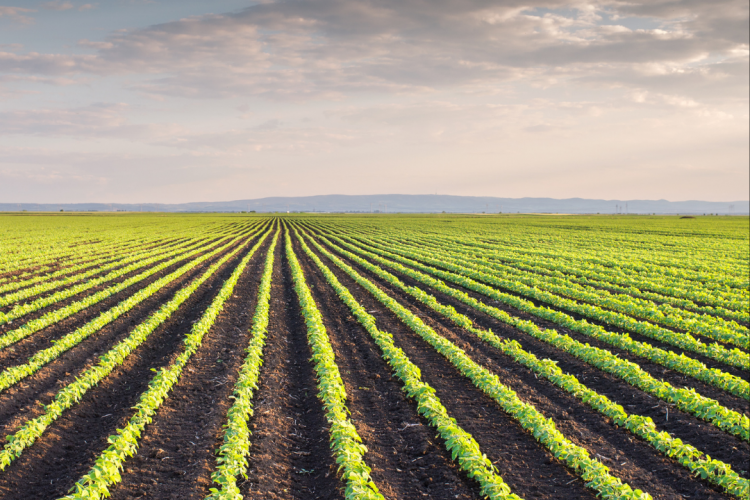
(69,447)
(289,455)
(705,437)
(657,371)
(711,363)
(406,458)
(629,458)
(521,461)
(20,402)
(176,455)
(112,259)
(23,349)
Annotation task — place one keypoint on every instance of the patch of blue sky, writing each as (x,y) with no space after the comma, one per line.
(607,18)
(54,31)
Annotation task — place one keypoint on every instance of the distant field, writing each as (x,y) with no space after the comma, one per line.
(350,356)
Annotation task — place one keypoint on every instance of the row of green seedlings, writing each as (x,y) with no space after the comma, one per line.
(30,262)
(94,270)
(688,456)
(699,324)
(75,265)
(22,309)
(733,357)
(633,287)
(106,470)
(502,251)
(460,444)
(638,256)
(680,363)
(593,472)
(156,255)
(347,446)
(634,261)
(14,374)
(88,266)
(687,400)
(37,266)
(231,460)
(72,393)
(694,292)
(58,315)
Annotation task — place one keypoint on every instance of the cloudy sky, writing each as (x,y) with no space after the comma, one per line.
(186,100)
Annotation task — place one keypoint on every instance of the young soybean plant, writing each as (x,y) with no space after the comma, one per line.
(106,470)
(232,457)
(690,457)
(347,446)
(595,473)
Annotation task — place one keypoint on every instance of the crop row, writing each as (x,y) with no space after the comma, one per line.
(732,357)
(346,444)
(106,470)
(232,455)
(701,324)
(592,471)
(51,284)
(582,266)
(702,290)
(637,260)
(696,461)
(72,393)
(57,315)
(16,373)
(155,256)
(83,263)
(687,400)
(681,363)
(459,443)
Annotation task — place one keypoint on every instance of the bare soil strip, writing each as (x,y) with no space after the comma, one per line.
(27,347)
(629,458)
(657,371)
(165,245)
(521,461)
(289,456)
(711,363)
(407,460)
(69,447)
(176,456)
(61,262)
(76,320)
(705,437)
(20,402)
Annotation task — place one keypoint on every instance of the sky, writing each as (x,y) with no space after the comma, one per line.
(171,101)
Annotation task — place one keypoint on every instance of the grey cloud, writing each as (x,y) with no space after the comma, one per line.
(329,48)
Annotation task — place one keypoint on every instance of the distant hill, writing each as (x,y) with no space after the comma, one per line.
(409,203)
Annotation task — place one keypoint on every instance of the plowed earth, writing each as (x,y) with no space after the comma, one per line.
(290,455)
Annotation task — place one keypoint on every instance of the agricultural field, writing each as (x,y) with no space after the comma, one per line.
(263,356)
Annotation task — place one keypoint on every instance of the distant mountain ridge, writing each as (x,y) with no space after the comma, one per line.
(409,203)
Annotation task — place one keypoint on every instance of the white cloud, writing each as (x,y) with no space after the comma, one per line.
(17,14)
(415,90)
(58,5)
(328,48)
